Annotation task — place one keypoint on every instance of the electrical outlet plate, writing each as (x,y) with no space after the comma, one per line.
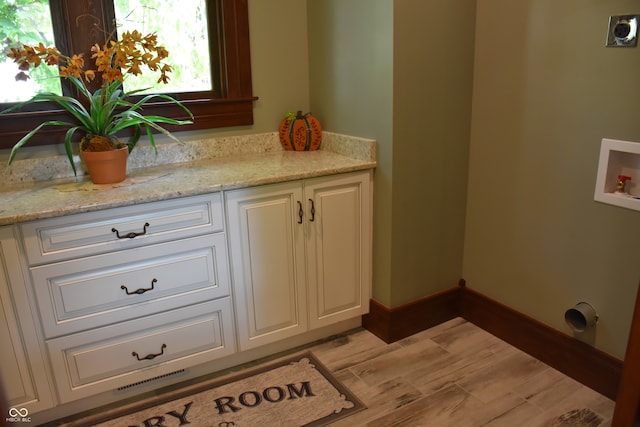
(623,31)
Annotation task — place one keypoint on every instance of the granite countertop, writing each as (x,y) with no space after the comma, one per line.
(239,164)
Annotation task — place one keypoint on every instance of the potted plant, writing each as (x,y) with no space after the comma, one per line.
(100,115)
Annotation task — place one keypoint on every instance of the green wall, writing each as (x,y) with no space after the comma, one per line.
(546,91)
(488,124)
(380,69)
(351,73)
(279,61)
(432,87)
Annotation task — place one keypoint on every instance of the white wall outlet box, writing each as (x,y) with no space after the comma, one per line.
(619,158)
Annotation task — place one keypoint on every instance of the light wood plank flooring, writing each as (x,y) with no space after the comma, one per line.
(456,374)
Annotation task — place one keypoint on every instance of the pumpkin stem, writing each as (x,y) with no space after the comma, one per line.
(290,115)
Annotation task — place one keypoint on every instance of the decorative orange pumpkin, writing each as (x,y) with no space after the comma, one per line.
(300,132)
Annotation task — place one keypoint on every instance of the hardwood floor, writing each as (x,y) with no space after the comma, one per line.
(456,374)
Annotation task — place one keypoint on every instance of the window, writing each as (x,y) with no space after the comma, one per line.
(185,23)
(224,99)
(26,21)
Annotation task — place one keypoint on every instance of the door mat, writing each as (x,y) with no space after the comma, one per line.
(297,391)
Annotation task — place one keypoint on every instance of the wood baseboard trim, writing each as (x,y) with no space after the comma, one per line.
(576,359)
(393,324)
(572,357)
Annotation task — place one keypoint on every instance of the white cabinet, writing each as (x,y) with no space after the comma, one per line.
(22,363)
(96,303)
(131,294)
(338,247)
(301,255)
(268,262)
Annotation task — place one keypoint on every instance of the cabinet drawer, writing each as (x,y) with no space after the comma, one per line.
(103,289)
(97,232)
(108,358)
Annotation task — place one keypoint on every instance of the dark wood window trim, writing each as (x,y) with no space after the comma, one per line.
(230,104)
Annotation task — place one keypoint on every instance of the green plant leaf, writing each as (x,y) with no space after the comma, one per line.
(165,97)
(28,136)
(152,141)
(107,110)
(130,118)
(68,149)
(133,140)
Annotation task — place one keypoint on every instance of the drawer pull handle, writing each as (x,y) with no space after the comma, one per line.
(132,234)
(150,356)
(300,212)
(313,211)
(141,290)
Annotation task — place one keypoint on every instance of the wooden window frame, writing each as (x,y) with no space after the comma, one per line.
(231,104)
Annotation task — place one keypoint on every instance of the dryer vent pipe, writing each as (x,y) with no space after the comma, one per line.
(581,317)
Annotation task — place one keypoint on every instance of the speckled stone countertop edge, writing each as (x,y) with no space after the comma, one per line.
(263,164)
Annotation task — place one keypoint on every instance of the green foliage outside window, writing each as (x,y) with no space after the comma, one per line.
(182,29)
(28,22)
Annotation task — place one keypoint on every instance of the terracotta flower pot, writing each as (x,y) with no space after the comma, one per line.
(106,167)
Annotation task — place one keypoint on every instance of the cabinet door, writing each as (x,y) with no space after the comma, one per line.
(338,247)
(22,370)
(268,262)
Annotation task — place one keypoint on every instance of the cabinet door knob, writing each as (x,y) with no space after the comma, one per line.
(132,234)
(150,356)
(313,211)
(300,212)
(141,290)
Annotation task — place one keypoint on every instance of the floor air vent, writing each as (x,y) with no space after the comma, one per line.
(159,377)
